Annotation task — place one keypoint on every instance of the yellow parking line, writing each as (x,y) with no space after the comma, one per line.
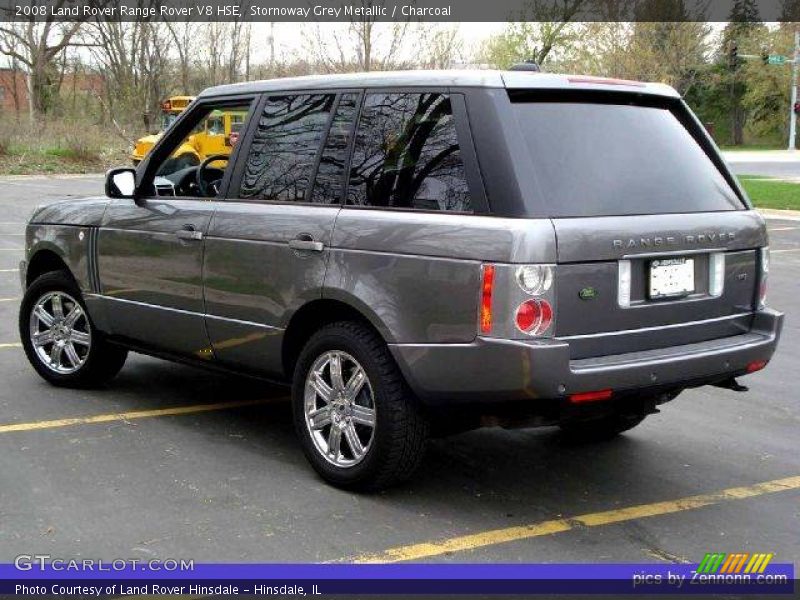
(11,345)
(8,299)
(784,250)
(133,415)
(523,532)
(9,270)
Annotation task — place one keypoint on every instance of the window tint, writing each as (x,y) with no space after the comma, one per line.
(329,183)
(594,159)
(406,155)
(281,158)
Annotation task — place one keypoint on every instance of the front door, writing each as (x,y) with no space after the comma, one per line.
(268,243)
(151,251)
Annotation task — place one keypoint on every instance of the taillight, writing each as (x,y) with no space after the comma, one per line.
(516,301)
(535,279)
(534,317)
(487,287)
(762,281)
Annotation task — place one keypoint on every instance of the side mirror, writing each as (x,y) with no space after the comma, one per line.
(121,182)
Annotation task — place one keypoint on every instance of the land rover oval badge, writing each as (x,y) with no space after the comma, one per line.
(587,293)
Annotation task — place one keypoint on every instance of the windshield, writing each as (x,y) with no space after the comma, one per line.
(593,159)
(167,119)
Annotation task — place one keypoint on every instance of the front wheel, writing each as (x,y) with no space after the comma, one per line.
(359,425)
(58,337)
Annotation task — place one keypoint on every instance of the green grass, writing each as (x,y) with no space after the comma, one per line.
(750,147)
(769,193)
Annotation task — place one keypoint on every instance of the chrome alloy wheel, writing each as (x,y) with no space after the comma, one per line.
(60,332)
(339,407)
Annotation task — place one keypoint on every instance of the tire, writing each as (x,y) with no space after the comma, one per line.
(97,360)
(393,447)
(604,428)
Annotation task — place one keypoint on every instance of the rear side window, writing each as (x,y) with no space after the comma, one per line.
(329,182)
(593,159)
(406,154)
(280,161)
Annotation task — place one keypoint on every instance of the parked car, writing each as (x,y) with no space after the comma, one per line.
(415,252)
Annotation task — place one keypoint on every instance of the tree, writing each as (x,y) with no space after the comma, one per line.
(440,47)
(747,32)
(544,26)
(36,46)
(364,44)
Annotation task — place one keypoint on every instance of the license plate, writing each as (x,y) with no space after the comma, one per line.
(671,277)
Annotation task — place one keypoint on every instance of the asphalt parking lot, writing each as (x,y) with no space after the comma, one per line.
(173,462)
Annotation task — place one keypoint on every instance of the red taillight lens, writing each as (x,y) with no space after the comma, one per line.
(590,396)
(534,316)
(486,299)
(756,365)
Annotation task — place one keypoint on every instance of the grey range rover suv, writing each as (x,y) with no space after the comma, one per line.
(418,253)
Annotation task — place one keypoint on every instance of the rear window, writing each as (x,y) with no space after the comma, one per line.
(593,159)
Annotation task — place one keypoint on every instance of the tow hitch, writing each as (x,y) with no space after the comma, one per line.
(732,384)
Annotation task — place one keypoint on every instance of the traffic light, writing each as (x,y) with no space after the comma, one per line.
(797,108)
(733,55)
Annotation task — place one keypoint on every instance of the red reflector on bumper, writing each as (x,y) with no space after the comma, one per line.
(590,396)
(756,365)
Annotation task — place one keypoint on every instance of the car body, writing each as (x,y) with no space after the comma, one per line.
(543,249)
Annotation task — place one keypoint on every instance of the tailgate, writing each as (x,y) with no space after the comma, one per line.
(630,283)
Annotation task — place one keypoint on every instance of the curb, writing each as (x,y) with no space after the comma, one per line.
(54,176)
(784,215)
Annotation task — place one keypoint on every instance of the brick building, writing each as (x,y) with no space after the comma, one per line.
(14,88)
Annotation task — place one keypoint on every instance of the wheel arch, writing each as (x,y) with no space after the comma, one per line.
(45,260)
(315,314)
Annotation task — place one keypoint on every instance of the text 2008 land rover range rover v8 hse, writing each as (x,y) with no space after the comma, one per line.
(413,251)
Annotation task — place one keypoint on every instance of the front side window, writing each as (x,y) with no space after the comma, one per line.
(195,167)
(280,161)
(406,154)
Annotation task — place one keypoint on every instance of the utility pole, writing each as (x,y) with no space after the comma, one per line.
(793,103)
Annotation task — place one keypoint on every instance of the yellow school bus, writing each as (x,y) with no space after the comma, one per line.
(216,134)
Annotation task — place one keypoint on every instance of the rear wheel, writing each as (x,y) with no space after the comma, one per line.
(604,428)
(358,423)
(58,336)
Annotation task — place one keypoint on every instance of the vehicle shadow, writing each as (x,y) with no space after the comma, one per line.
(512,475)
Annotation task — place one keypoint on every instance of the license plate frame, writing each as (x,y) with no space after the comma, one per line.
(671,278)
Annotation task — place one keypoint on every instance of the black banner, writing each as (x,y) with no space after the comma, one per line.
(397,10)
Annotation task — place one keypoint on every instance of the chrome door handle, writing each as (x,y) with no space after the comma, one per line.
(309,245)
(189,233)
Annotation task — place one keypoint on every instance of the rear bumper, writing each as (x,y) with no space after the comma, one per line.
(493,370)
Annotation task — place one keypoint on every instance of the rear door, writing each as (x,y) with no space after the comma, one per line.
(656,245)
(268,243)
